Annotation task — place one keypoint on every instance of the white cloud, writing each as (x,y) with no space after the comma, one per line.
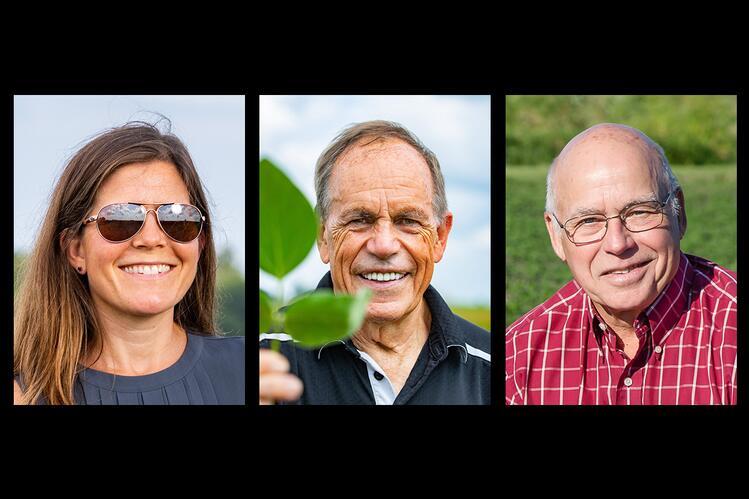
(275,116)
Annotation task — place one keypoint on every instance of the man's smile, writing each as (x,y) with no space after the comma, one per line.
(382,280)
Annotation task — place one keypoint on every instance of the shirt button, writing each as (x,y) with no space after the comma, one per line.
(658,349)
(602,326)
(628,381)
(378,376)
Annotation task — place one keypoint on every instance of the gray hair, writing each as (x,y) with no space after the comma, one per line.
(665,179)
(375,130)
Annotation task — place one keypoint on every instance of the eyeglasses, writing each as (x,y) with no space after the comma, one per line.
(121,221)
(639,217)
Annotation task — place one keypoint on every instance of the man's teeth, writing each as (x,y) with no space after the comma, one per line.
(147,269)
(389,276)
(626,271)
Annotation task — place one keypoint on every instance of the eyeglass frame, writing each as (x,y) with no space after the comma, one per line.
(619,216)
(93,219)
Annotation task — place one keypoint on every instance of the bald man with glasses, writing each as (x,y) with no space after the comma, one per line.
(641,322)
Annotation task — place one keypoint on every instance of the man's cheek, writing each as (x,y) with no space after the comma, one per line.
(424,248)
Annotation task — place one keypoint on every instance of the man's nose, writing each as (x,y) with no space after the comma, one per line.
(617,239)
(384,241)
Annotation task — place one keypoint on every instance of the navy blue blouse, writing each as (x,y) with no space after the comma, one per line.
(210,371)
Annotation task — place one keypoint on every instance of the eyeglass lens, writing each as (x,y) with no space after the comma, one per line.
(119,222)
(593,227)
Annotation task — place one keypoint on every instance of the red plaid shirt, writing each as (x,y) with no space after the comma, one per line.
(562,352)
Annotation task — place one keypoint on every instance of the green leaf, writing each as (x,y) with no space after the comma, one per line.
(322,317)
(266,311)
(288,224)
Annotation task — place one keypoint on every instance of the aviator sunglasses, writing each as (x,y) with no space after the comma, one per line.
(121,221)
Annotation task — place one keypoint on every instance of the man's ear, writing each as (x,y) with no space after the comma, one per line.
(443,231)
(322,242)
(74,251)
(555,236)
(682,214)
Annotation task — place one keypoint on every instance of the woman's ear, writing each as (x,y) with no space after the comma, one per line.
(74,250)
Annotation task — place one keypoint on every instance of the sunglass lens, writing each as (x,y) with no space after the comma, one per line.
(119,222)
(182,222)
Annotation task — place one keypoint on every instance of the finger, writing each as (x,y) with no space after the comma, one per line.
(280,387)
(271,361)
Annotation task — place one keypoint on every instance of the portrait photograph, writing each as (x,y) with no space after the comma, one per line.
(621,250)
(375,254)
(129,257)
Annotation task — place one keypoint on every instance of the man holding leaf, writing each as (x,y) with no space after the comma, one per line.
(384,223)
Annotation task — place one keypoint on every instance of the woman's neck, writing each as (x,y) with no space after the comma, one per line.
(136,346)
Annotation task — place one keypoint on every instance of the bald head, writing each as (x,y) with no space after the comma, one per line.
(605,146)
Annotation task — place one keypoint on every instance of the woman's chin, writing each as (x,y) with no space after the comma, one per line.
(148,308)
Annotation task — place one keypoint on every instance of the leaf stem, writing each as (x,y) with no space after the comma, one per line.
(277,317)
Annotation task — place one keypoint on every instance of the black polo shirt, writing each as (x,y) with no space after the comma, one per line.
(453,367)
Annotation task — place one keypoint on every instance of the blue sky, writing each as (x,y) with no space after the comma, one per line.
(294,130)
(48,130)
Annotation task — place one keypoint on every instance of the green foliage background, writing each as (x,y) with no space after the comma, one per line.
(230,287)
(696,131)
(693,130)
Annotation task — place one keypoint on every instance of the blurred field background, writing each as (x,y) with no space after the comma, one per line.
(698,134)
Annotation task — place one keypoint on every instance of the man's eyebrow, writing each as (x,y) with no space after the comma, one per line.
(592,211)
(356,212)
(416,213)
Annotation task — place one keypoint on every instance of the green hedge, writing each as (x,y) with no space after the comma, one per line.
(696,130)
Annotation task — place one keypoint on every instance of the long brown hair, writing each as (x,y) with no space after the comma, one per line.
(54,317)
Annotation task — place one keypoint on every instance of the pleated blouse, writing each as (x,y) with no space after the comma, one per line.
(210,371)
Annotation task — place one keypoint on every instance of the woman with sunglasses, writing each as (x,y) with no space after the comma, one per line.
(117,301)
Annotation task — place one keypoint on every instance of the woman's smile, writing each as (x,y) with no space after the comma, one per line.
(148,272)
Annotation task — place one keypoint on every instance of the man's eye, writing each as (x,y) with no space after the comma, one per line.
(639,213)
(408,221)
(358,221)
(588,221)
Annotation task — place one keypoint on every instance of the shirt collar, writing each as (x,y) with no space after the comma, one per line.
(443,333)
(665,311)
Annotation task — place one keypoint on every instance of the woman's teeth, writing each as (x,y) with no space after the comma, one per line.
(147,269)
(389,276)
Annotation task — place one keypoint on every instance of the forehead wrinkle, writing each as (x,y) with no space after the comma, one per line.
(391,198)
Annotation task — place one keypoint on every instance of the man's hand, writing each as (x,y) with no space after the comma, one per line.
(275,381)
